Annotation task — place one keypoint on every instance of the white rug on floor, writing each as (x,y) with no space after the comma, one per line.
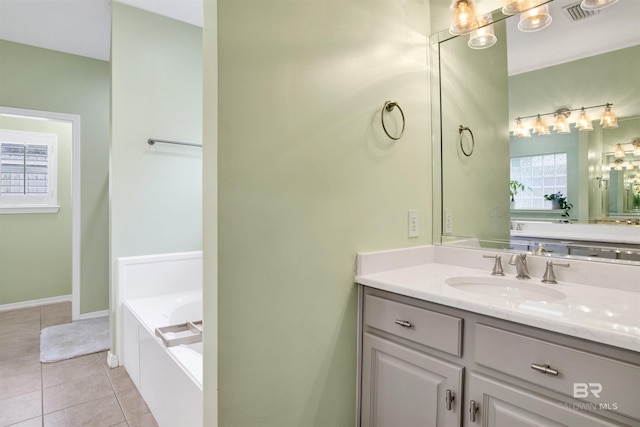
(74,339)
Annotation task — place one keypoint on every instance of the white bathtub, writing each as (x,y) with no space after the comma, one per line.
(169,378)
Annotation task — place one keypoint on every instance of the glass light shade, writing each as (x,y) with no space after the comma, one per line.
(636,146)
(618,165)
(520,131)
(535,19)
(596,4)
(619,152)
(608,119)
(463,18)
(511,7)
(540,127)
(561,125)
(484,36)
(584,122)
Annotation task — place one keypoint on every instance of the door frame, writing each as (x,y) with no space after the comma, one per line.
(74,119)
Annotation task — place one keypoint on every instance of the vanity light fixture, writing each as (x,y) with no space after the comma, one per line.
(463,17)
(511,7)
(484,36)
(636,146)
(619,151)
(584,122)
(535,19)
(608,119)
(541,128)
(560,124)
(596,4)
(520,131)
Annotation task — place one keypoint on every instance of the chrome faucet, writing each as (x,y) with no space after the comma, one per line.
(497,266)
(549,274)
(520,261)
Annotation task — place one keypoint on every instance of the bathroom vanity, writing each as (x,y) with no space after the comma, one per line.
(437,351)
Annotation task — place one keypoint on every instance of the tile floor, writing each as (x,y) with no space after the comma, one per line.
(81,392)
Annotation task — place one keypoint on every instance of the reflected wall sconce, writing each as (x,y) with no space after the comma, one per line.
(484,36)
(596,4)
(520,131)
(541,127)
(619,151)
(535,19)
(636,146)
(463,17)
(617,165)
(561,124)
(608,120)
(584,122)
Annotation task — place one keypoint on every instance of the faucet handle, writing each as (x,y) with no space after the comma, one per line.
(549,275)
(497,266)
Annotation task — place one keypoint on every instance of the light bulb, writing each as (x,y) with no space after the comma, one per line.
(484,36)
(596,4)
(619,152)
(608,119)
(535,19)
(584,122)
(520,131)
(561,125)
(511,7)
(540,127)
(463,19)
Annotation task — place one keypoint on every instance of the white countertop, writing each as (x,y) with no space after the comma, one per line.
(605,315)
(609,233)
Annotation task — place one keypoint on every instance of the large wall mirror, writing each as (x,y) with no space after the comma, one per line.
(495,171)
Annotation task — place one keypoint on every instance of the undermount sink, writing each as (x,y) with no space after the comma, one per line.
(505,288)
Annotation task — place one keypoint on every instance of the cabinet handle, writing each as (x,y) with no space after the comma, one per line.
(544,369)
(448,398)
(473,409)
(404,323)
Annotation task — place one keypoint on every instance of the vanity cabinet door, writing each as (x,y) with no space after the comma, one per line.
(504,405)
(405,387)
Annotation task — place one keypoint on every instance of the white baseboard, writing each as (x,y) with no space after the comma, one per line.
(94,314)
(34,303)
(112,360)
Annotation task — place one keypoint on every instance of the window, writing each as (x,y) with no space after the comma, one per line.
(544,174)
(28,175)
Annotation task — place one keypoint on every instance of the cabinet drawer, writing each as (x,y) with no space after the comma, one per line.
(435,330)
(607,383)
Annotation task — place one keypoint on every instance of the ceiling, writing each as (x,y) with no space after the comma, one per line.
(613,28)
(80,27)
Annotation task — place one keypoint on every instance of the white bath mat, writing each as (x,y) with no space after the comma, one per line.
(74,339)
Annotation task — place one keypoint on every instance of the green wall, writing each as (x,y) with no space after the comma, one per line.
(35,249)
(42,79)
(610,77)
(474,94)
(156,92)
(307,178)
(210,211)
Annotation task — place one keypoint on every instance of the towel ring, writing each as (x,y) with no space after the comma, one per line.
(473,141)
(389,106)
